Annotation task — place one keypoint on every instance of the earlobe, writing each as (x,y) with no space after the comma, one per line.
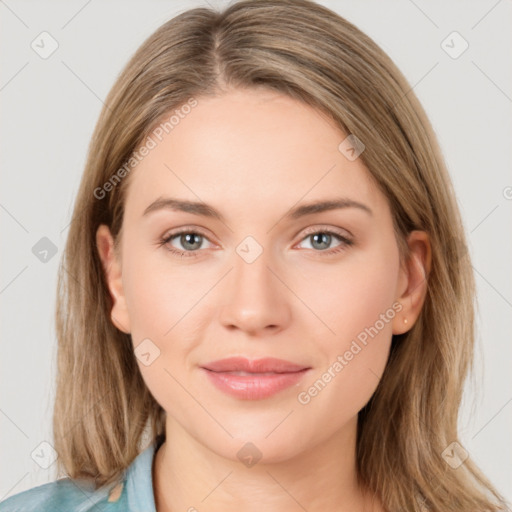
(113,276)
(413,281)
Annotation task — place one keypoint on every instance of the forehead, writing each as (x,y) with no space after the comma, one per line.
(249,149)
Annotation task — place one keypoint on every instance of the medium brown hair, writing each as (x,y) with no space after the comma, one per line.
(104,411)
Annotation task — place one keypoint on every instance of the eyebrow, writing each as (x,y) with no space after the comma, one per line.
(206,210)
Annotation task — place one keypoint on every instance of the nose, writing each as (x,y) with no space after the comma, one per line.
(255,297)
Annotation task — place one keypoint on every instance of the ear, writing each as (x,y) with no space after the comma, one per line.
(413,281)
(113,276)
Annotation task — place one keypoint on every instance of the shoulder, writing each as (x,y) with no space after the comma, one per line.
(133,492)
(67,495)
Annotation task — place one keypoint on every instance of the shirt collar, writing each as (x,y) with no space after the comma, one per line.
(139,480)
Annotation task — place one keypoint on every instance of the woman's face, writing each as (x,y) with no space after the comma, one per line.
(319,289)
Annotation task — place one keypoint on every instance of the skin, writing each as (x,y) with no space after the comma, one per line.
(253,155)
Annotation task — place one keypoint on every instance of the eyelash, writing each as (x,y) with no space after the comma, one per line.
(187,254)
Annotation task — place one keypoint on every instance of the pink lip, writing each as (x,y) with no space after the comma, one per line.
(270,376)
(241,364)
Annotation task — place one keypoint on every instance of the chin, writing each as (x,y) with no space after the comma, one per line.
(258,450)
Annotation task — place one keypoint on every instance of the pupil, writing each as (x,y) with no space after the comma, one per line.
(188,240)
(320,235)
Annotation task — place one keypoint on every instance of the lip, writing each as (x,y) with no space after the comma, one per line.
(242,364)
(262,378)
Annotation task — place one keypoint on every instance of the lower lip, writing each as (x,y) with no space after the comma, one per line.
(253,387)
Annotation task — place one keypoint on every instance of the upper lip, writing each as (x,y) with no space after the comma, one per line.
(264,365)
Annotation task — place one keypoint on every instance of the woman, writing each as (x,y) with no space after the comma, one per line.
(265,300)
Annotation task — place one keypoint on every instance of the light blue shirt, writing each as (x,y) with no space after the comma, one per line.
(133,494)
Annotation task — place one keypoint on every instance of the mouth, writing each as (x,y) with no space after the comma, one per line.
(254,379)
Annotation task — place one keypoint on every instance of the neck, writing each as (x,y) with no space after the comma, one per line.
(189,476)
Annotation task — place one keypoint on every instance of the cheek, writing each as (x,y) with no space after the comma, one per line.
(165,306)
(158,294)
(351,296)
(160,308)
(357,307)
(354,361)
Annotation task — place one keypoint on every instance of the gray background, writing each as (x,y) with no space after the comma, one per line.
(49,109)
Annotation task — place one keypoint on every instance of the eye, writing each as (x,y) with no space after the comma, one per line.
(190,240)
(322,238)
